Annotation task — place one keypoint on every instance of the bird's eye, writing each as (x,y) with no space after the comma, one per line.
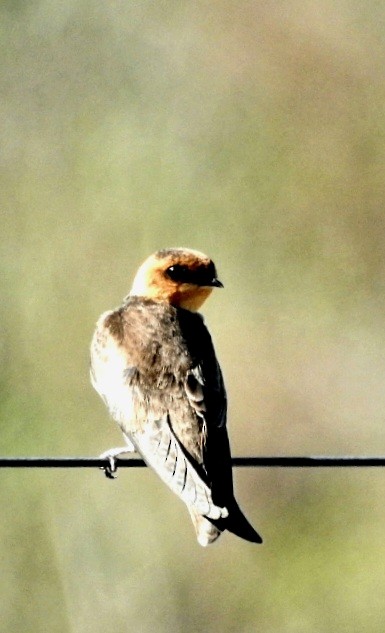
(178,272)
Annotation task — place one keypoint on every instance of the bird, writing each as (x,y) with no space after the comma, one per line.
(153,363)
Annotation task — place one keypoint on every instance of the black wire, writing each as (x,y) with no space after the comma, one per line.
(256,462)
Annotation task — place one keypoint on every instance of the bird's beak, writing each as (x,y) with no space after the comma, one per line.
(216,283)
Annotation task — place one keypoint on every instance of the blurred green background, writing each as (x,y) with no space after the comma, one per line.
(253,131)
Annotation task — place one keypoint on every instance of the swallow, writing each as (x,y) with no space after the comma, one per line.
(154,365)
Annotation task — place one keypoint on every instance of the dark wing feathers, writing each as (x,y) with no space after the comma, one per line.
(194,387)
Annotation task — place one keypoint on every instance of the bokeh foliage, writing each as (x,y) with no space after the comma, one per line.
(253,131)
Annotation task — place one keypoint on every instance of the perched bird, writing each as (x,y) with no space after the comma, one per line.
(154,365)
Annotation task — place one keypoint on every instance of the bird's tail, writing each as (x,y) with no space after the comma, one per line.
(208,530)
(237,523)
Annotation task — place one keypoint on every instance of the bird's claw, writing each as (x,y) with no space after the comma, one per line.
(110,469)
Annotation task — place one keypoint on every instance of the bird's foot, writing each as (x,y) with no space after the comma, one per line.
(110,468)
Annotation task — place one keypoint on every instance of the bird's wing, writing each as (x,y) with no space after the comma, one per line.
(192,456)
(207,396)
(206,393)
(161,450)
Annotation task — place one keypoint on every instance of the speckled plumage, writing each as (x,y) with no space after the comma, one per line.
(154,364)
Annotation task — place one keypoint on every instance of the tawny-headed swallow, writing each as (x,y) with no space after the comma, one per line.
(154,364)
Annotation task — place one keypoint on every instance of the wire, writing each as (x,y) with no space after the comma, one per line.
(252,462)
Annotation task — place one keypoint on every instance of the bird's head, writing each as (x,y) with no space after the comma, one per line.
(181,276)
